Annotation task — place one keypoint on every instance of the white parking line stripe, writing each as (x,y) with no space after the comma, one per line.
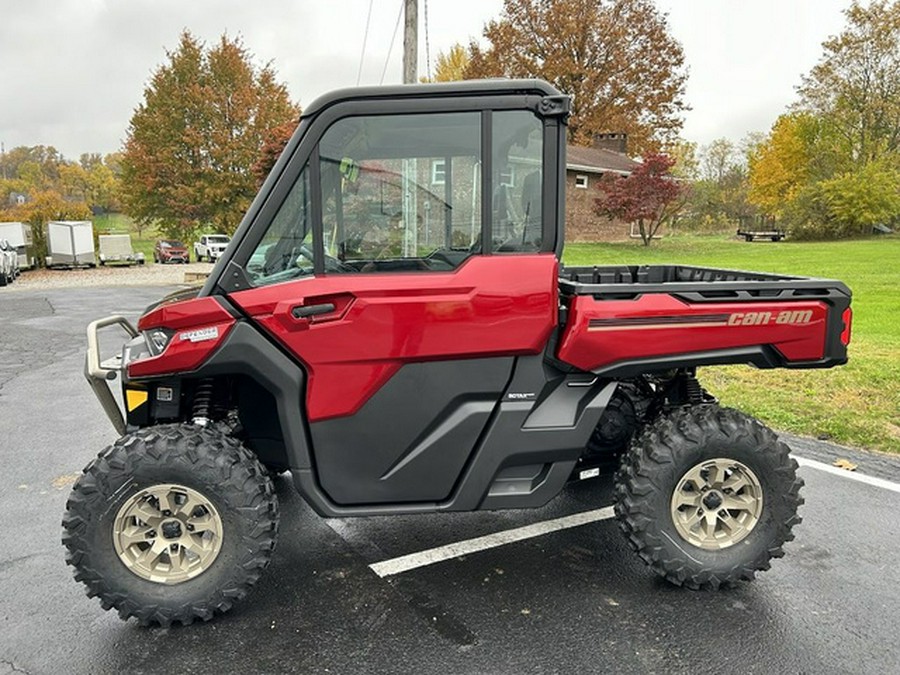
(843,473)
(405,563)
(387,568)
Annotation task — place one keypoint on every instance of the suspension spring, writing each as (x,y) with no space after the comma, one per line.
(693,391)
(202,402)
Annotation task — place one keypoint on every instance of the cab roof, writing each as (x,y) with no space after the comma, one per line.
(499,86)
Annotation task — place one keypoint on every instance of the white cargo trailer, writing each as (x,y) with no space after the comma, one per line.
(70,242)
(117,248)
(19,237)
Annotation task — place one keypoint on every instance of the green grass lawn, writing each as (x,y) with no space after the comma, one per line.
(857,404)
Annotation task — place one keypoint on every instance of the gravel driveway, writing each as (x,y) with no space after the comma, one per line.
(137,275)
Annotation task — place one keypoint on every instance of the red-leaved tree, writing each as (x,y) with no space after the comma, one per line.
(650,196)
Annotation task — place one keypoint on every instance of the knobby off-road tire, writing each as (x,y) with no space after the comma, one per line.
(676,453)
(216,471)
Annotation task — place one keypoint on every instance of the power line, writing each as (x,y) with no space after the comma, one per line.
(393,37)
(365,39)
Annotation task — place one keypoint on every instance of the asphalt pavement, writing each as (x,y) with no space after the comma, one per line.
(571,600)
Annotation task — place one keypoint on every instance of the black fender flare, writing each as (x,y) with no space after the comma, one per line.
(246,351)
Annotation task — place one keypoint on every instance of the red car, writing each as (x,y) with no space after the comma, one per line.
(170,251)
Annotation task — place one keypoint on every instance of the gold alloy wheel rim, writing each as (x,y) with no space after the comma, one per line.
(716,504)
(167,533)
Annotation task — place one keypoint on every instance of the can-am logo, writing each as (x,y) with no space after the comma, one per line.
(790,316)
(201,334)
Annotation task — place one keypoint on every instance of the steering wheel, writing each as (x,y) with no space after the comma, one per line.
(332,264)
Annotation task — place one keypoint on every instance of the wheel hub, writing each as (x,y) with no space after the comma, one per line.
(167,533)
(716,504)
(171,529)
(712,500)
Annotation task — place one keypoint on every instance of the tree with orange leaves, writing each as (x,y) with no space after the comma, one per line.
(193,142)
(615,57)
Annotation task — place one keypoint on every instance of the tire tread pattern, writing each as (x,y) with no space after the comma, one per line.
(645,471)
(205,452)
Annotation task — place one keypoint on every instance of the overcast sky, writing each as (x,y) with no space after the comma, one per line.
(73,70)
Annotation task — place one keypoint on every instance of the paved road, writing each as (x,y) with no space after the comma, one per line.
(576,600)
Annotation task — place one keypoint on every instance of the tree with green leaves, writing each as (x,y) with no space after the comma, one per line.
(193,142)
(831,168)
(855,86)
(616,58)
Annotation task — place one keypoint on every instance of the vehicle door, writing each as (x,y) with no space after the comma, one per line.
(404,262)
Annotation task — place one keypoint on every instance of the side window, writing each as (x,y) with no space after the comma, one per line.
(517,158)
(401,192)
(286,249)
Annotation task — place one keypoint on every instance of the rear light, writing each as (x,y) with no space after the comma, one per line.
(847,318)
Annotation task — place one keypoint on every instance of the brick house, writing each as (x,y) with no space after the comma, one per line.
(584,168)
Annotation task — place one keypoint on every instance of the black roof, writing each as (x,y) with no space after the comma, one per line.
(433,90)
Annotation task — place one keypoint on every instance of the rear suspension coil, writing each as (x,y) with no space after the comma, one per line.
(693,391)
(202,402)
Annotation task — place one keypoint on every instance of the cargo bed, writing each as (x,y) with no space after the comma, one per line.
(623,319)
(615,278)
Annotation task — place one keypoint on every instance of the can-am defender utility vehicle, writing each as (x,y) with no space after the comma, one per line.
(391,324)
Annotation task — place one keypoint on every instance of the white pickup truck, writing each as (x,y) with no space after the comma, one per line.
(211,247)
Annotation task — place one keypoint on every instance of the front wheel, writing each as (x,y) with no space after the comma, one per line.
(707,496)
(170,524)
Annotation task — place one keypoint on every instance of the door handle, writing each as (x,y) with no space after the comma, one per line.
(306,311)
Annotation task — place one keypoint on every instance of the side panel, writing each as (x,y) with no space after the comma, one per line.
(525,453)
(490,306)
(59,242)
(601,333)
(115,245)
(410,441)
(83,238)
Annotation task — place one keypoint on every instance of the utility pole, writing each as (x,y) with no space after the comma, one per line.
(410,41)
(410,166)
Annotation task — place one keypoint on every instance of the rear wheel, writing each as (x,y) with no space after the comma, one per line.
(170,524)
(707,496)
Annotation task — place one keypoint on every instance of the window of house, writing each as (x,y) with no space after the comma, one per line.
(438,169)
(581,181)
(401,193)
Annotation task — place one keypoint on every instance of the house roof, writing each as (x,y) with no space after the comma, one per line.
(598,160)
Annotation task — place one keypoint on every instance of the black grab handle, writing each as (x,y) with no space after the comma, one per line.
(306,311)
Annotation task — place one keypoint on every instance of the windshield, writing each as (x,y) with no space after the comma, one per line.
(171,243)
(218,239)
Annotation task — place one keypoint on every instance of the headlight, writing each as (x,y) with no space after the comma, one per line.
(157,340)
